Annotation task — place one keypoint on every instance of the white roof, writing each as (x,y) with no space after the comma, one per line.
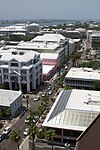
(77,40)
(33,24)
(13,28)
(95,34)
(49,37)
(83,73)
(71,110)
(47,68)
(37,45)
(6,55)
(18,33)
(73,31)
(49,55)
(7,97)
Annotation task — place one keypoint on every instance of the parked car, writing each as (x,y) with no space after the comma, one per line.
(50,92)
(28,118)
(7,130)
(36,98)
(26,132)
(43,94)
(2,136)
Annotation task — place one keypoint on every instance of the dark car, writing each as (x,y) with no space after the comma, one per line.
(2,136)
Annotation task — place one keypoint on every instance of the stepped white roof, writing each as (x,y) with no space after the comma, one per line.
(7,55)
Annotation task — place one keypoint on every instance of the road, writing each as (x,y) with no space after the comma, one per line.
(19,125)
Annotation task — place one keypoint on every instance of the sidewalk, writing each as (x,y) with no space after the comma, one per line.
(10,124)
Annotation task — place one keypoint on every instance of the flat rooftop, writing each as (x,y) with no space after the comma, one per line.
(37,45)
(49,55)
(74,110)
(83,73)
(7,97)
(49,38)
(47,69)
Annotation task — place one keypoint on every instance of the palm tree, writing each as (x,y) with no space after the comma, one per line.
(33,130)
(50,134)
(16,137)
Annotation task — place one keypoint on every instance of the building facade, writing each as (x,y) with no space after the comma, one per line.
(82,77)
(20,70)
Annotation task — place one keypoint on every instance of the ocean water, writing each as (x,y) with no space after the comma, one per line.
(42,22)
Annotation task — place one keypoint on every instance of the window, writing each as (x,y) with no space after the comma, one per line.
(5,70)
(23,71)
(14,64)
(5,76)
(24,78)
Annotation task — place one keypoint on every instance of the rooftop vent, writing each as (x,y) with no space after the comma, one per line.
(21,53)
(14,53)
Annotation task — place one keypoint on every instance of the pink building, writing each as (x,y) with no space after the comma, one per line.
(50,63)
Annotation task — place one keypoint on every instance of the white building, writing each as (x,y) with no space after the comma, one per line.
(72,112)
(20,70)
(11,100)
(33,27)
(48,43)
(95,40)
(20,28)
(82,77)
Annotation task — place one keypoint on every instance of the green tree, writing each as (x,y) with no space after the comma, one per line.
(74,57)
(50,134)
(15,136)
(33,131)
(68,87)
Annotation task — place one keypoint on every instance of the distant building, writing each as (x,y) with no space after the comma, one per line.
(13,29)
(20,28)
(83,32)
(73,34)
(82,77)
(20,70)
(71,114)
(32,27)
(95,40)
(11,100)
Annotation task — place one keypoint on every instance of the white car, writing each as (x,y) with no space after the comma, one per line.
(26,132)
(36,98)
(50,92)
(7,130)
(43,94)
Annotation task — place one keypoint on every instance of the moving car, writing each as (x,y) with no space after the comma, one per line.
(7,130)
(26,132)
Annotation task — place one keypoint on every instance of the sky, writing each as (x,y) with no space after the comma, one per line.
(49,9)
